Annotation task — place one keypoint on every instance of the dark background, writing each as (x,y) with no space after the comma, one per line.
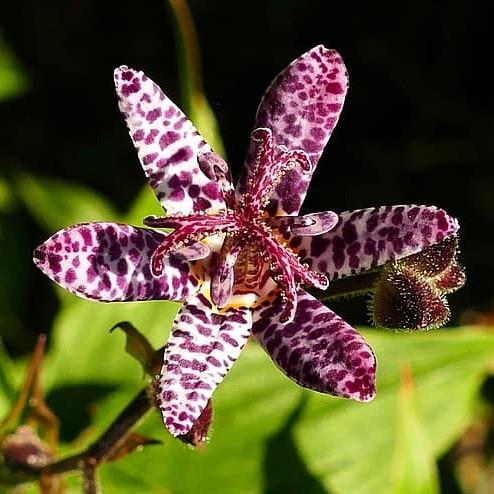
(417,125)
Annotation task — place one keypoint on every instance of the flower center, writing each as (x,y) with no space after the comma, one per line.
(254,248)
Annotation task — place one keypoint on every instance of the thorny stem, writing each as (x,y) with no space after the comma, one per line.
(104,446)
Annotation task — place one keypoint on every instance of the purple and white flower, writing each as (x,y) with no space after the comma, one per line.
(238,257)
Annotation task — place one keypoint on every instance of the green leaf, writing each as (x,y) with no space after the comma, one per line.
(55,203)
(84,350)
(145,204)
(6,196)
(12,80)
(15,269)
(7,389)
(193,98)
(414,467)
(270,436)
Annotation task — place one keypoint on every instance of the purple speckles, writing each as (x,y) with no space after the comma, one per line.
(311,146)
(138,135)
(104,272)
(127,75)
(122,267)
(335,88)
(212,191)
(168,138)
(204,356)
(442,221)
(183,154)
(167,143)
(70,276)
(381,234)
(349,232)
(149,158)
(152,115)
(296,109)
(317,133)
(86,235)
(149,139)
(320,351)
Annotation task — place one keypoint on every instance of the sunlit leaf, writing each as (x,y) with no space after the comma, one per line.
(263,423)
(55,203)
(145,204)
(414,467)
(84,350)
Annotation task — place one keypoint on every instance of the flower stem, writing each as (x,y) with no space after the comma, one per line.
(351,286)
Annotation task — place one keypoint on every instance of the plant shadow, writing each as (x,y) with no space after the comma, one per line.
(284,469)
(74,404)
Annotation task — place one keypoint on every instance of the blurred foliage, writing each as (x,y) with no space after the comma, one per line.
(416,129)
(12,80)
(271,436)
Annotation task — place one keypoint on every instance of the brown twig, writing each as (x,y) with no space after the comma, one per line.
(103,447)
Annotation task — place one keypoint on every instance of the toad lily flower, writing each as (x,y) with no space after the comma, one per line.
(238,257)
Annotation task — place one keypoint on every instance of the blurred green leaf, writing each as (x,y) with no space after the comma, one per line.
(12,80)
(145,204)
(55,203)
(15,266)
(414,466)
(194,100)
(7,389)
(6,196)
(262,424)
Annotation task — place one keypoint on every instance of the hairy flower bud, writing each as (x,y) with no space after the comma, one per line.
(411,293)
(21,452)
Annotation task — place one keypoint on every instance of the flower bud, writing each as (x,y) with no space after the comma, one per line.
(410,293)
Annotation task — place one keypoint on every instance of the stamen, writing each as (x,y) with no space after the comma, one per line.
(189,230)
(310,224)
(270,166)
(282,274)
(193,252)
(223,276)
(217,169)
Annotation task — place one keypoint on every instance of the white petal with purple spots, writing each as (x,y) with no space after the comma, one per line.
(301,107)
(200,351)
(110,262)
(167,144)
(367,238)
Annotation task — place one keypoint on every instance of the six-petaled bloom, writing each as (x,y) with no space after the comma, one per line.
(238,257)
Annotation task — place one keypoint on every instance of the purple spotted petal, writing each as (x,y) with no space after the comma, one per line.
(200,351)
(318,350)
(301,107)
(368,238)
(167,144)
(110,262)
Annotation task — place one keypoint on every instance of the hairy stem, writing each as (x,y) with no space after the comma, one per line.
(351,286)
